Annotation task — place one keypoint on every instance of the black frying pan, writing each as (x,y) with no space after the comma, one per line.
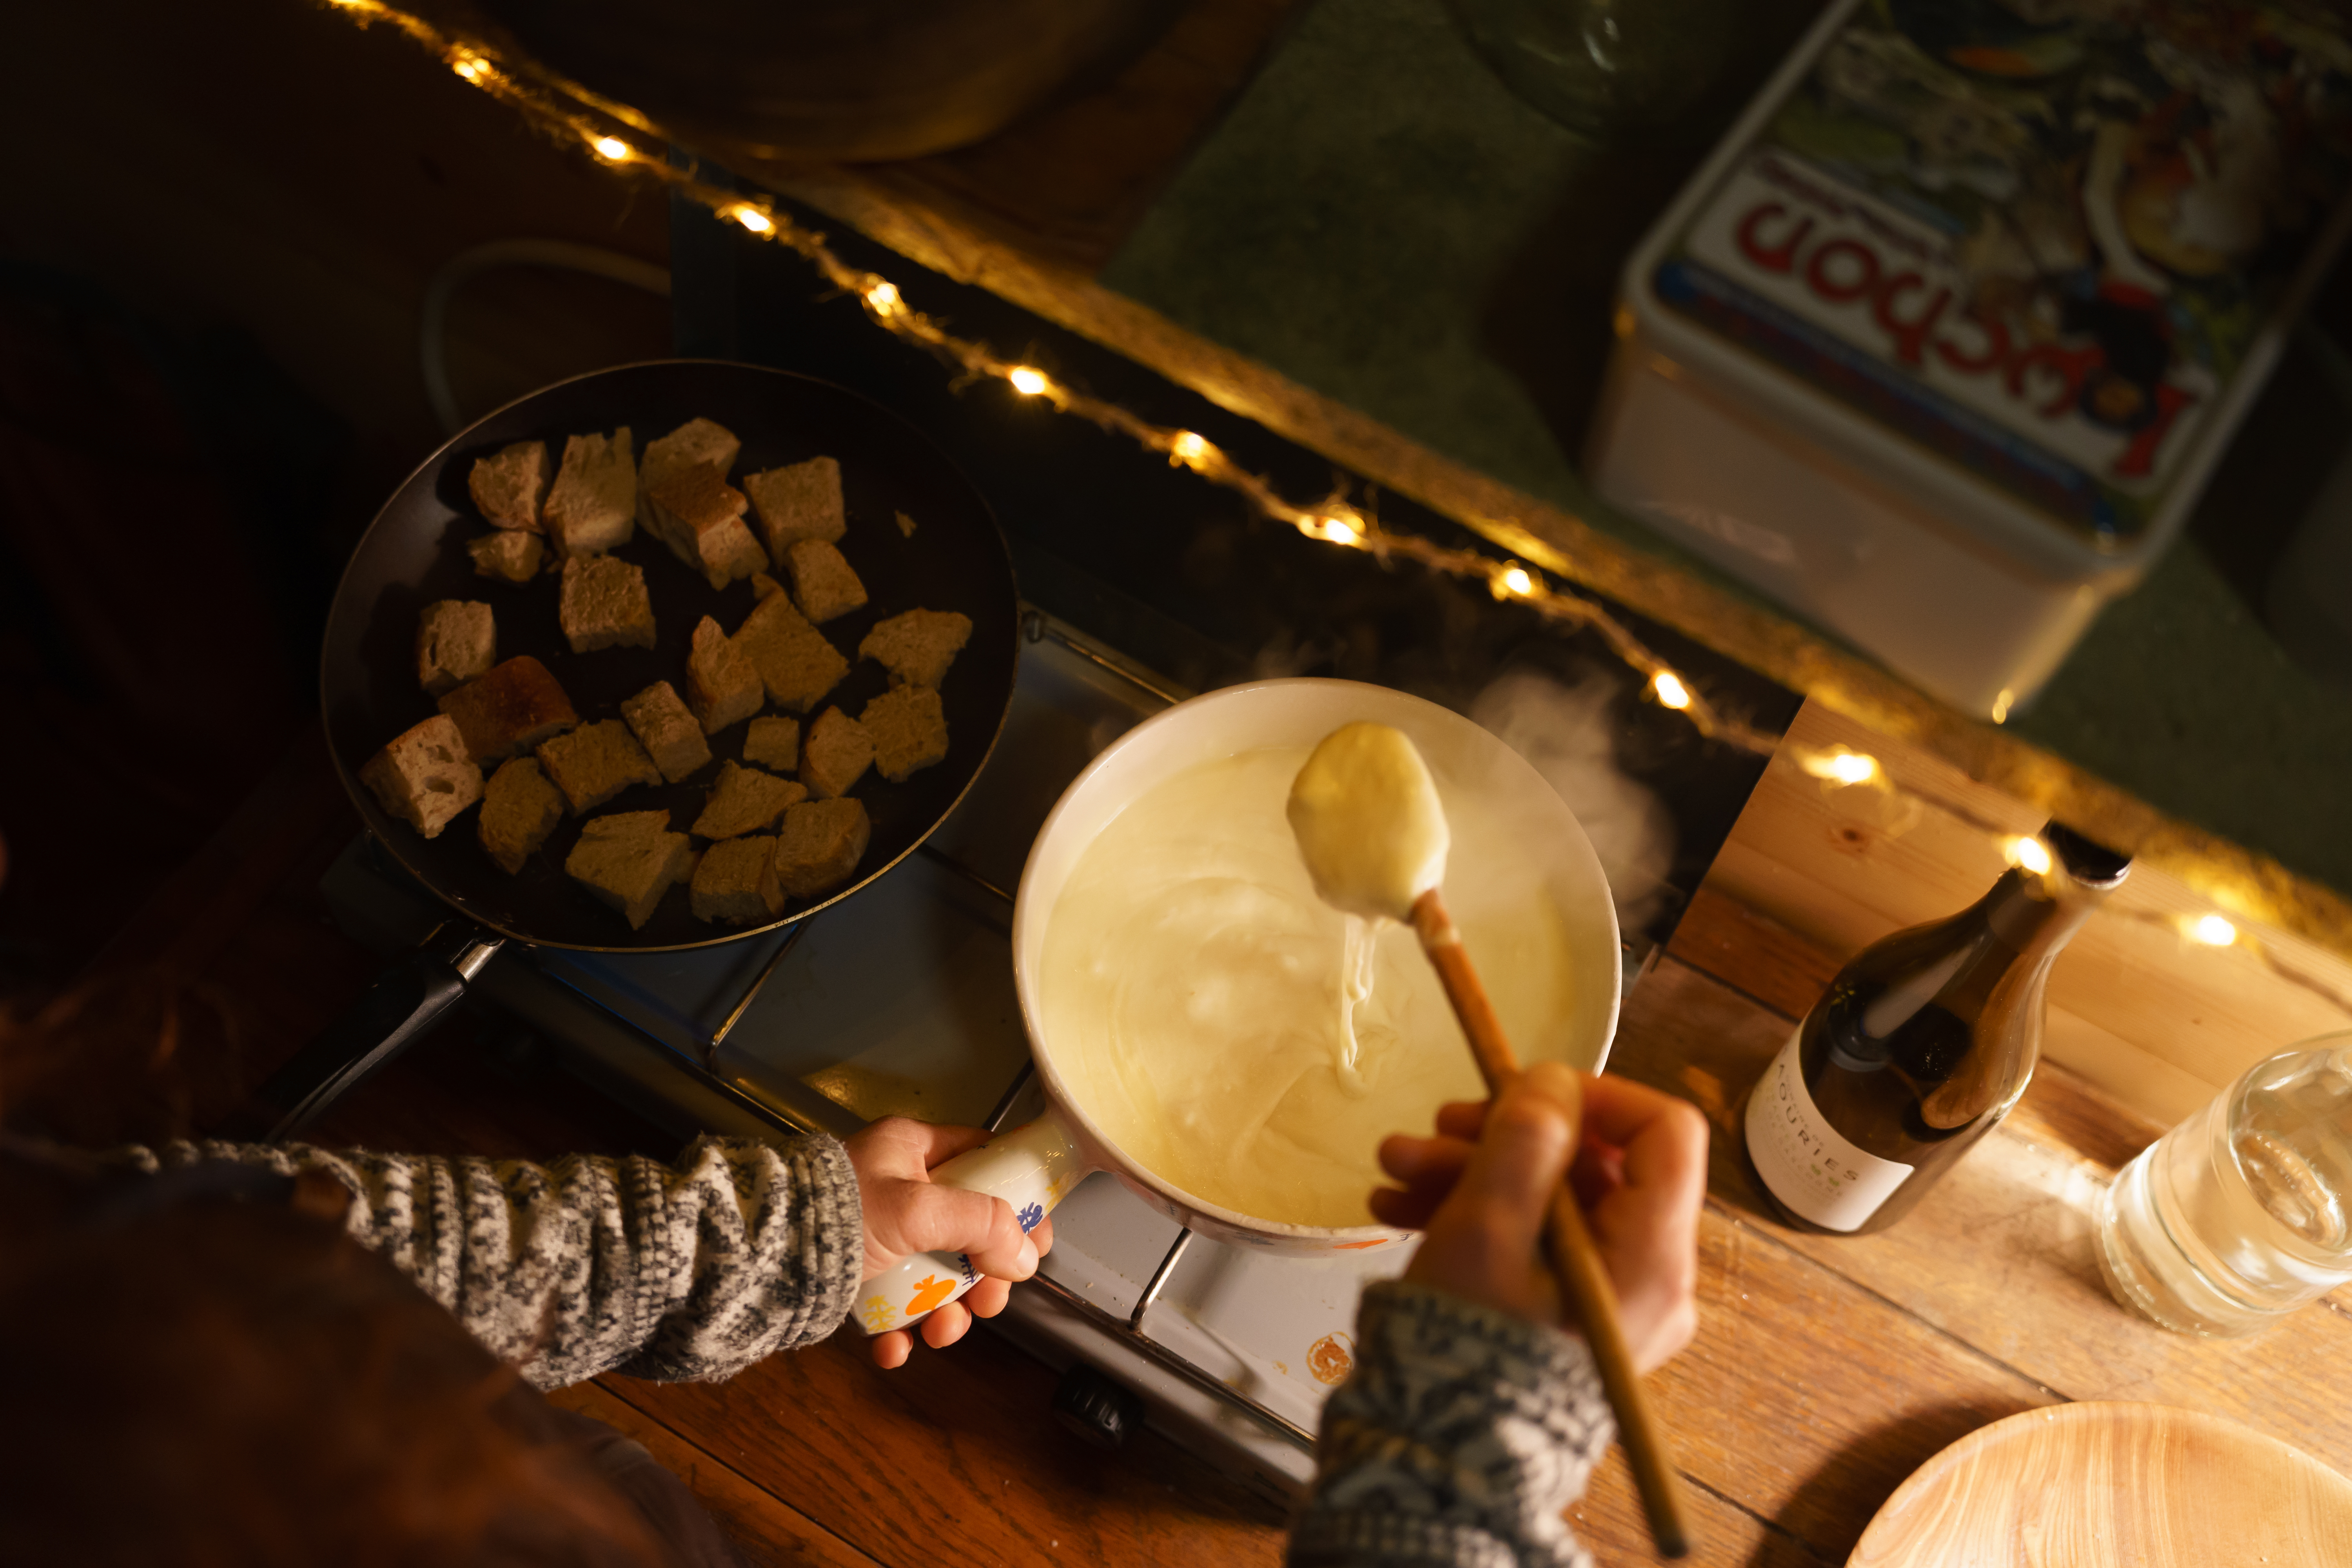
(415,554)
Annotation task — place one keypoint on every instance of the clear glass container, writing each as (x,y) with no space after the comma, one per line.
(1604,67)
(2244,1212)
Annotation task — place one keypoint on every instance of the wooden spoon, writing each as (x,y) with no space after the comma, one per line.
(1374,837)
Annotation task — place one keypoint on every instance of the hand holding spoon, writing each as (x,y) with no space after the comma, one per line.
(1373,834)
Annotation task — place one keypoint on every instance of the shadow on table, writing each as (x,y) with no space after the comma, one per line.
(1829,1512)
(1546,318)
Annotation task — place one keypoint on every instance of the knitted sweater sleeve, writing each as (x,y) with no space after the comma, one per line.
(681,1272)
(1458,1442)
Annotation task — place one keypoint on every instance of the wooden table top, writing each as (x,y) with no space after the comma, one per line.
(1825,1371)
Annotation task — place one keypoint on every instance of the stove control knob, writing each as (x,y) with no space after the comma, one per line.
(1096,1411)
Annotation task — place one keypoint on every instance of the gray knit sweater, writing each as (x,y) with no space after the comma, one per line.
(1456,1443)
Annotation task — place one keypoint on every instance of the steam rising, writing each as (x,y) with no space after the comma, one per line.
(1563,732)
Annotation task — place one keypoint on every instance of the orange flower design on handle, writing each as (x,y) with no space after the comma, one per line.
(930,1292)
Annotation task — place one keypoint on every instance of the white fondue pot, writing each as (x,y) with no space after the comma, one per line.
(1035,1167)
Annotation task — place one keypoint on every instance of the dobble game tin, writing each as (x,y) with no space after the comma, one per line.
(1943,342)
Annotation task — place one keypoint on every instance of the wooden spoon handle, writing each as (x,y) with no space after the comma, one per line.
(1575,1262)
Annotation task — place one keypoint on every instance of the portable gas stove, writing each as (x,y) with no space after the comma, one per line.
(900,1001)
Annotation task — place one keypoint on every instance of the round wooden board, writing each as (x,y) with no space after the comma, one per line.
(2114,1486)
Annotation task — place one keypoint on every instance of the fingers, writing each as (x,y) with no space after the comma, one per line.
(902,1146)
(946,1326)
(1043,1237)
(1521,1156)
(989,1297)
(891,1350)
(949,1219)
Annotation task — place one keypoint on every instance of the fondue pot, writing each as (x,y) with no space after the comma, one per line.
(1035,1167)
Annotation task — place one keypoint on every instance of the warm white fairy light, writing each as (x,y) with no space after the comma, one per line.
(2212,930)
(1840,766)
(612,150)
(2029,853)
(752,218)
(884,297)
(1517,580)
(1670,690)
(1189,449)
(1333,528)
(1027,382)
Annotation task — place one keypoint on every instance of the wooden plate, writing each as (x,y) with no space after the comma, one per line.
(2132,1485)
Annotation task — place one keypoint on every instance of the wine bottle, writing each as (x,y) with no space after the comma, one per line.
(1919,1048)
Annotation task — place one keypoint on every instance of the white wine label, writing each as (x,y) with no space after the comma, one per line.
(1807,1163)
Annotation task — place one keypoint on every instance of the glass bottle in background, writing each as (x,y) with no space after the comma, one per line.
(1605,68)
(1921,1045)
(2238,1215)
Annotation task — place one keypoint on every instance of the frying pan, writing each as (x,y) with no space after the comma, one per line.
(413,554)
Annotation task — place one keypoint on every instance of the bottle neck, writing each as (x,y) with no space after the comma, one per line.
(2036,914)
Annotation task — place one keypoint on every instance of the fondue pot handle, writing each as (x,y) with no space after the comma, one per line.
(1033,1168)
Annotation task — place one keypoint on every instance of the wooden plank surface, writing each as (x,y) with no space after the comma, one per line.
(1999,1255)
(959,1446)
(768,1527)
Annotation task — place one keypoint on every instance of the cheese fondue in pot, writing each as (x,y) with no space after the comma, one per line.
(1242,1039)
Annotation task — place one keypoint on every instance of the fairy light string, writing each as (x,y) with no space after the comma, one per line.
(571,115)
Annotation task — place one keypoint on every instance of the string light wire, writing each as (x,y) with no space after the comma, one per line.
(569,113)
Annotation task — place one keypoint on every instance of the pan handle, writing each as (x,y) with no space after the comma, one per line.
(405,1001)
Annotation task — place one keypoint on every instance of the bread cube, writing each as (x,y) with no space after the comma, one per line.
(823,585)
(519,809)
(721,686)
(745,800)
(604,604)
(424,776)
(773,743)
(512,709)
(510,487)
(838,753)
(905,525)
(795,663)
(457,641)
(697,443)
(736,882)
(909,729)
(507,554)
(630,860)
(802,501)
(596,762)
(918,647)
(594,505)
(700,517)
(671,736)
(820,846)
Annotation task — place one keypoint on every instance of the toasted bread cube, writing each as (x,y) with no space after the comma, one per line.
(670,735)
(519,809)
(795,663)
(697,443)
(773,743)
(821,845)
(630,860)
(918,647)
(721,686)
(424,776)
(700,517)
(593,506)
(909,728)
(905,525)
(595,762)
(512,709)
(764,587)
(802,501)
(457,641)
(745,800)
(823,585)
(736,881)
(604,604)
(839,751)
(507,554)
(510,487)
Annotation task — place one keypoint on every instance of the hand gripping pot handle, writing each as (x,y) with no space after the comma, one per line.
(1033,1168)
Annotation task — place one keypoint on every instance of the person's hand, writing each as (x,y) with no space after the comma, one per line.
(904,1214)
(1480,1188)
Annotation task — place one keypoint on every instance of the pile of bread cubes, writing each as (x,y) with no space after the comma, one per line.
(769,837)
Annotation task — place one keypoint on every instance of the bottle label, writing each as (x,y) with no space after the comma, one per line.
(1808,1164)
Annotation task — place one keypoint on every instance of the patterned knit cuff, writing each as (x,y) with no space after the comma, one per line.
(835,1231)
(1460,1424)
